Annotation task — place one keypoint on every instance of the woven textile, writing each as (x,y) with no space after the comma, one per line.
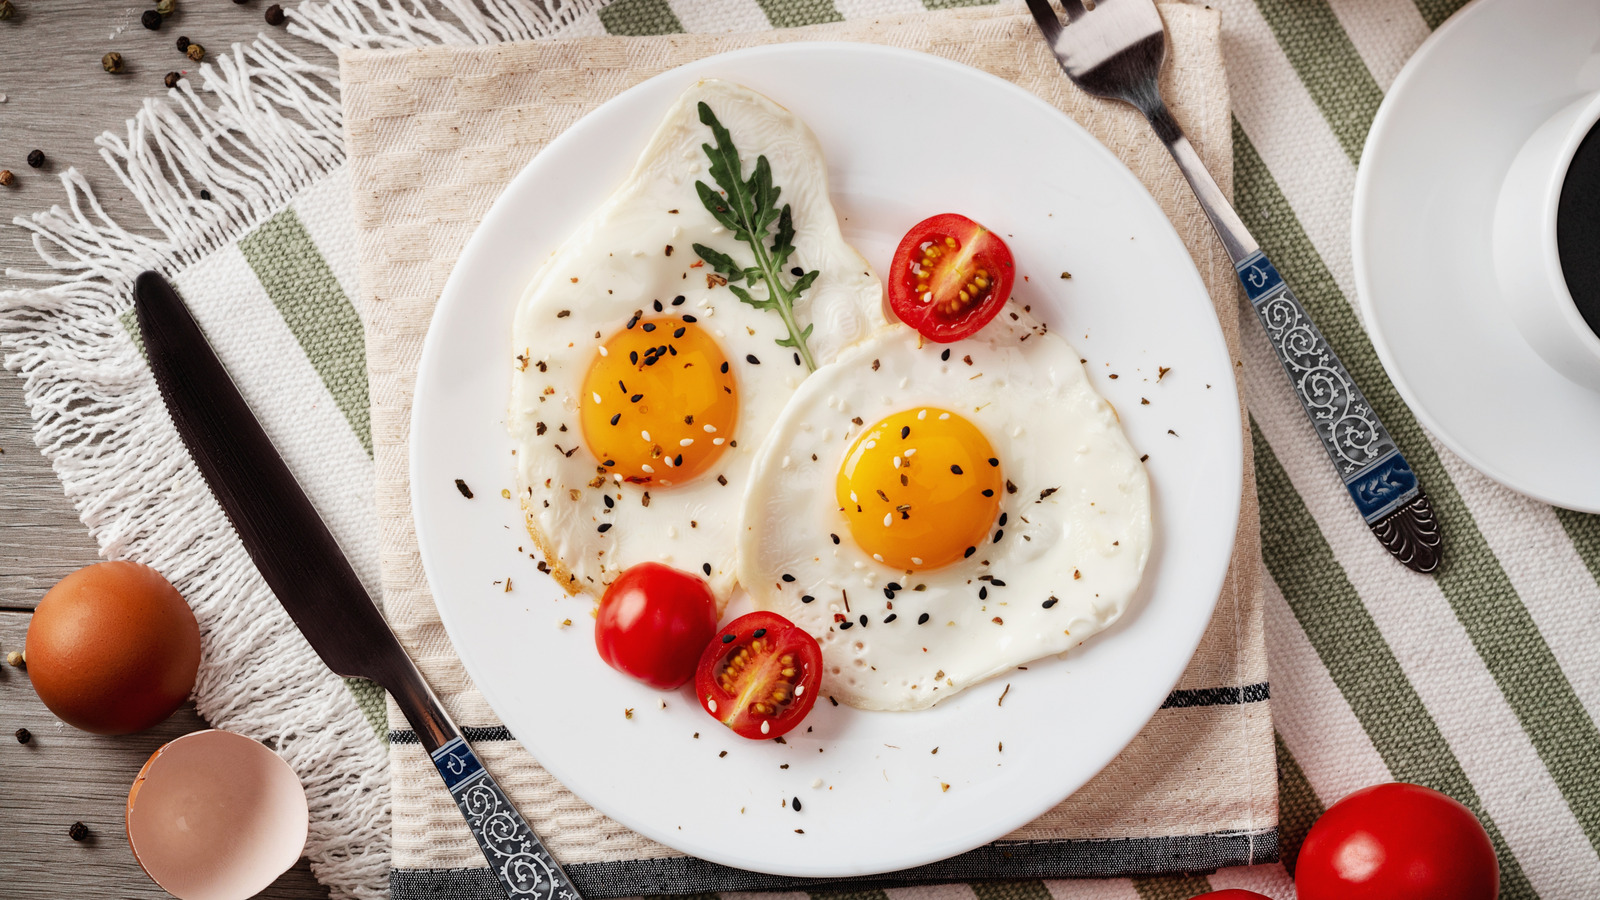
(1196,790)
(1483,681)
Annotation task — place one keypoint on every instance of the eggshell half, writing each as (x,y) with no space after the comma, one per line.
(215,815)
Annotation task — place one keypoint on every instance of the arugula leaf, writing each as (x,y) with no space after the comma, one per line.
(749,209)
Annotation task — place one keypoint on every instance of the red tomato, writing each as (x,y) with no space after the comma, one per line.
(653,622)
(1232,894)
(1397,842)
(950,276)
(759,676)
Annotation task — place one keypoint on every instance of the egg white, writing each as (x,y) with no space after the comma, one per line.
(617,263)
(1077,526)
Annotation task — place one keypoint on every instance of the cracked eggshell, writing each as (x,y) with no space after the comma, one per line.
(215,815)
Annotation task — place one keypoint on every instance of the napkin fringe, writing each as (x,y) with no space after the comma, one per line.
(263,126)
(390,24)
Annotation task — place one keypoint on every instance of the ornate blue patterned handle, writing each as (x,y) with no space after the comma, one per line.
(525,868)
(1379,479)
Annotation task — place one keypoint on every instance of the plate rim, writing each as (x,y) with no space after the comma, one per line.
(1232,434)
(1363,235)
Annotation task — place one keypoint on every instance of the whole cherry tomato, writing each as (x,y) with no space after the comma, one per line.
(949,277)
(1397,842)
(654,620)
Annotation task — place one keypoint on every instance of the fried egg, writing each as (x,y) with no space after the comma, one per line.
(935,514)
(641,386)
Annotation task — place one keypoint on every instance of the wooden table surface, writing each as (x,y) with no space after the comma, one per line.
(58,99)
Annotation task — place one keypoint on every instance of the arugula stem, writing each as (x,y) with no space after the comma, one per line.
(785,308)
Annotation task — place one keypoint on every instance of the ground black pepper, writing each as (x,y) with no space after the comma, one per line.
(275,15)
(151,20)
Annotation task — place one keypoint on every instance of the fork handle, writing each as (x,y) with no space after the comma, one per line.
(1377,476)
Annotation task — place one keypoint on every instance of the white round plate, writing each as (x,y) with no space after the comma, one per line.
(1134,303)
(1425,196)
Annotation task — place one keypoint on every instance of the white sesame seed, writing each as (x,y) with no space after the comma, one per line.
(921,414)
(686,442)
(943,416)
(645,435)
(897,462)
(910,452)
(596,396)
(712,704)
(1017,431)
(787,462)
(710,429)
(648,470)
(766,726)
(799,689)
(854,498)
(887,518)
(672,531)
(716,442)
(604,351)
(878,557)
(869,445)
(916,560)
(904,382)
(667,460)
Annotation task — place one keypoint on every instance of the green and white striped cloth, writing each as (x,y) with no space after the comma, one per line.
(1483,682)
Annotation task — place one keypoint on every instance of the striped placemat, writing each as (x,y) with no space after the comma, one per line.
(1482,682)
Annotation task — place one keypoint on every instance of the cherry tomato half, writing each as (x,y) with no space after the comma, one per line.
(1232,894)
(653,622)
(759,675)
(950,276)
(1397,840)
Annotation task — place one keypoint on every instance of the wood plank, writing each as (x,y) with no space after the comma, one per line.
(63,776)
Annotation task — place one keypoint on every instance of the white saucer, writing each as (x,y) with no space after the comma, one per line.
(1425,194)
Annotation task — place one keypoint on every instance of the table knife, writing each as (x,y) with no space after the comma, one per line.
(302,563)
(1114,49)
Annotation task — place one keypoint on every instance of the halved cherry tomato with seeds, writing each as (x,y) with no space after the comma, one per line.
(759,675)
(950,276)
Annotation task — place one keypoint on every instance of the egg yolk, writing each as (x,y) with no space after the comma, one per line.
(920,489)
(659,404)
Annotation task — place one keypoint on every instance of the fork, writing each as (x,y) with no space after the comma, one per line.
(1114,49)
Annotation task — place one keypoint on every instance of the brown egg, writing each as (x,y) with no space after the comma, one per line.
(113,648)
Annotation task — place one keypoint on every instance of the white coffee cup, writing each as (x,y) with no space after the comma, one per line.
(1526,261)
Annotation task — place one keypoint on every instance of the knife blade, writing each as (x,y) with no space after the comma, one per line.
(301,562)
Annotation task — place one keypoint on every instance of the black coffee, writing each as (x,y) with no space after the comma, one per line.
(1578,229)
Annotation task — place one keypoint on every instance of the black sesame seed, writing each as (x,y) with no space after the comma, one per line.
(649,326)
(888,593)
(863,620)
(1010,488)
(609,462)
(1049,603)
(609,502)
(969,552)
(604,527)
(759,632)
(616,418)
(895,586)
(998,534)
(955,470)
(993,461)
(635,398)
(997,582)
(788,577)
(727,639)
(724,368)
(678,300)
(987,492)
(751,359)
(945,355)
(633,357)
(796,804)
(797,359)
(905,432)
(706,567)
(657,305)
(633,321)
(797,271)
(679,332)
(807,598)
(922,619)
(983,593)
(690,319)
(835,538)
(678,460)
(1002,519)
(890,618)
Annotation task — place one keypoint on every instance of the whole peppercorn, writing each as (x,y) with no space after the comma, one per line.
(150,19)
(13,658)
(195,52)
(111,62)
(166,7)
(183,44)
(205,194)
(7,10)
(7,180)
(171,80)
(24,735)
(36,158)
(275,14)
(78,831)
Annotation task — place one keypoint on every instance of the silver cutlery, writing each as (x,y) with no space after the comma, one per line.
(302,563)
(1114,49)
